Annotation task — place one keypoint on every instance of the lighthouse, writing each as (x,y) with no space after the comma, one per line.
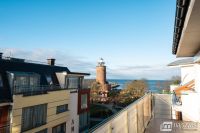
(101,72)
(105,87)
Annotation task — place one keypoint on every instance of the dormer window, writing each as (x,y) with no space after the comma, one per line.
(73,82)
(49,79)
(24,82)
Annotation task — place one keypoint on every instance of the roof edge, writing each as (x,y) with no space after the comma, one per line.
(180,15)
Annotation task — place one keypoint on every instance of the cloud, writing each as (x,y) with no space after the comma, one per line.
(74,63)
(157,72)
(81,64)
(134,67)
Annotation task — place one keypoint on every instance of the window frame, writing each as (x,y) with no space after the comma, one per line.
(57,126)
(82,92)
(85,104)
(58,111)
(70,85)
(31,81)
(1,81)
(29,116)
(49,79)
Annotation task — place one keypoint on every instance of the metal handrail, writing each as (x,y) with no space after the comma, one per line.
(40,89)
(37,89)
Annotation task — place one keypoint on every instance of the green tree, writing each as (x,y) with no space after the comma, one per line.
(132,91)
(176,80)
(94,90)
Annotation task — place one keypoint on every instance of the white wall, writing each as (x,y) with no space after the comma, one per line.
(190,99)
(191,107)
(187,74)
(197,77)
(73,107)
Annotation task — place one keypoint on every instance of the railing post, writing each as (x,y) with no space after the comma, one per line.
(143,122)
(127,122)
(152,105)
(137,118)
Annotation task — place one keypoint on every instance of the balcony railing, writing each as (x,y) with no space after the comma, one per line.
(134,118)
(36,90)
(5,129)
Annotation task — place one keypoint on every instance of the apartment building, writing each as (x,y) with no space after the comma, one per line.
(41,98)
(186,45)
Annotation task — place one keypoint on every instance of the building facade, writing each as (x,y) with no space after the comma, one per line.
(186,45)
(41,98)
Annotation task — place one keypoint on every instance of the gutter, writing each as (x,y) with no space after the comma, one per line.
(181,11)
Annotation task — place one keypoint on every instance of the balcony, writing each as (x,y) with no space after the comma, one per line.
(36,90)
(150,114)
(133,118)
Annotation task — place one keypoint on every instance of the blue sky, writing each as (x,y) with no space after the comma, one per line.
(133,36)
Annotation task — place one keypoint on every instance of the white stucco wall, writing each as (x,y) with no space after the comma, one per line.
(73,107)
(187,74)
(190,99)
(197,77)
(191,107)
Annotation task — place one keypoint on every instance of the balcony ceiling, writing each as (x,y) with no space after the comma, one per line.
(189,43)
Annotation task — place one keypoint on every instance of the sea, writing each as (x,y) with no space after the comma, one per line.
(153,85)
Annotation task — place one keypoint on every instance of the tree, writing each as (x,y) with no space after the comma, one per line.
(176,80)
(132,91)
(94,90)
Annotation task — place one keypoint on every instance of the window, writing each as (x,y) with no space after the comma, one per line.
(20,83)
(84,101)
(59,129)
(49,79)
(11,81)
(26,83)
(1,81)
(62,108)
(43,131)
(83,120)
(34,116)
(73,82)
(33,81)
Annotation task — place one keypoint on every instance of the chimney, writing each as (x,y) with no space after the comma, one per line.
(1,55)
(51,61)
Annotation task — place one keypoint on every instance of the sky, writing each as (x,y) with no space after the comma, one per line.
(134,37)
